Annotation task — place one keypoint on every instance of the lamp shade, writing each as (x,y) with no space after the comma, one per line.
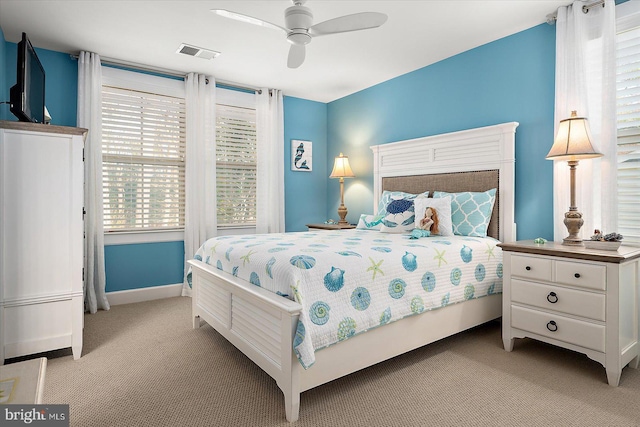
(573,141)
(341,168)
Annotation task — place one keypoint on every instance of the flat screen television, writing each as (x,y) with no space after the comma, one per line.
(27,95)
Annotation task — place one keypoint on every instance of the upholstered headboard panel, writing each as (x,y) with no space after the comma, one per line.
(452,183)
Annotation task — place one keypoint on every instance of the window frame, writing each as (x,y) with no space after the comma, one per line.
(139,81)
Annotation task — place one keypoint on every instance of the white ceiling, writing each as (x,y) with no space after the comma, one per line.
(417,33)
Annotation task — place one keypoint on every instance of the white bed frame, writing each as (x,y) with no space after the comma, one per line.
(262,324)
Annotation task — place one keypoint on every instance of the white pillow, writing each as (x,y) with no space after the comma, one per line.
(442,208)
(370,222)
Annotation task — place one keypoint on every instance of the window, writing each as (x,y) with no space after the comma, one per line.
(236,159)
(143,154)
(143,151)
(628,114)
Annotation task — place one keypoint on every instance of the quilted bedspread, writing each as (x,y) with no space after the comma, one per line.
(350,281)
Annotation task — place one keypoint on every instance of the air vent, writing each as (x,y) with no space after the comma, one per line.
(198,52)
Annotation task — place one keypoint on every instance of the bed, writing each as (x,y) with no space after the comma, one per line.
(265,326)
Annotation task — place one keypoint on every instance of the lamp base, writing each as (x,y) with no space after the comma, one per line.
(342,213)
(573,221)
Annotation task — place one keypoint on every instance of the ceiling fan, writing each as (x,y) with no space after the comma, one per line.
(300,30)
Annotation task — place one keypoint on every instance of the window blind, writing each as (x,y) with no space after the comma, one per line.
(628,116)
(143,157)
(236,165)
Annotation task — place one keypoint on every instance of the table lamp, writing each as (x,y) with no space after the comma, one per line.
(342,170)
(573,143)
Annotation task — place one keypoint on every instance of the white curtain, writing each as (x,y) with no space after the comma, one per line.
(270,169)
(200,175)
(90,117)
(586,82)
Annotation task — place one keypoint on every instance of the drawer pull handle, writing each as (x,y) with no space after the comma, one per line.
(552,297)
(577,275)
(552,326)
(527,268)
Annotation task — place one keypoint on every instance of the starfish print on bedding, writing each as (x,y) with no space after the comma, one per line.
(245,258)
(489,251)
(440,257)
(375,267)
(296,292)
(213,248)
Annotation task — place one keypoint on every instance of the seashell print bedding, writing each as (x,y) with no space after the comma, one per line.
(350,281)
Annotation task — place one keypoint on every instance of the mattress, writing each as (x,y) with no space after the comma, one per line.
(350,281)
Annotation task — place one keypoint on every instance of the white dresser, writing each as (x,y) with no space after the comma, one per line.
(41,238)
(576,298)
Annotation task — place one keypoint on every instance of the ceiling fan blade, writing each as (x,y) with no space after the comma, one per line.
(247,18)
(343,24)
(297,53)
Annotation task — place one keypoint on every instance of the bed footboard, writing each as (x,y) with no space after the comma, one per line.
(259,323)
(262,325)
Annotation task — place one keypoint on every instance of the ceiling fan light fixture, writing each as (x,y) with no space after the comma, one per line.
(299,37)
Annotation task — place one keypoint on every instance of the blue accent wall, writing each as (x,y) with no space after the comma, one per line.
(511,79)
(143,265)
(305,192)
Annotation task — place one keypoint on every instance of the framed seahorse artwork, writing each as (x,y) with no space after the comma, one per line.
(301,155)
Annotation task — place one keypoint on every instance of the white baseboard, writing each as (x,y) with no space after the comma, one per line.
(144,294)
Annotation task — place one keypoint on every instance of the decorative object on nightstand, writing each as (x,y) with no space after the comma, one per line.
(582,299)
(573,143)
(342,170)
(607,242)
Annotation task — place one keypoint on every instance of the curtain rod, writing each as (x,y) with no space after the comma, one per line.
(552,17)
(165,71)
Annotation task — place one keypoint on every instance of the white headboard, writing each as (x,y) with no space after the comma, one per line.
(480,149)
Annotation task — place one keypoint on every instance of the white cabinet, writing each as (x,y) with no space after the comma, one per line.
(576,298)
(41,238)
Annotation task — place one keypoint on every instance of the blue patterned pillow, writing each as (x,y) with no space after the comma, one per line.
(398,212)
(470,212)
(389,196)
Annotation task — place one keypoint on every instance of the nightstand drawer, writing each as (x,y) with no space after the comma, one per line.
(577,332)
(569,301)
(530,267)
(582,275)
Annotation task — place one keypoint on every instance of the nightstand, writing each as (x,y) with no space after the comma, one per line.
(581,299)
(330,226)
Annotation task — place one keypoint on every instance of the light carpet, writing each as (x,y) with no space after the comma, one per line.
(143,365)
